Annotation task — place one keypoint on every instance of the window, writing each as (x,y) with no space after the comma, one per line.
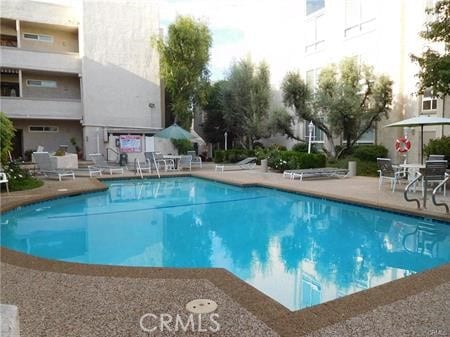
(359,16)
(311,291)
(316,136)
(315,33)
(41,83)
(429,102)
(312,79)
(42,128)
(314,5)
(38,37)
(368,137)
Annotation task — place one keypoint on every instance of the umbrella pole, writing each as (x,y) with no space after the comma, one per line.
(421,143)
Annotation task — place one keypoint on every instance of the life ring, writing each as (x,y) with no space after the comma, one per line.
(402,145)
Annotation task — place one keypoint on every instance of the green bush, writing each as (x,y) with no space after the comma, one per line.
(6,136)
(439,146)
(291,160)
(363,168)
(182,145)
(303,147)
(370,152)
(233,155)
(219,156)
(20,179)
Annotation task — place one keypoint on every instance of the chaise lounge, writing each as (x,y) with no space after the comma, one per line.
(245,164)
(327,172)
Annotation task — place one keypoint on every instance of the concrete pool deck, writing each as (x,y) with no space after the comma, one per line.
(66,299)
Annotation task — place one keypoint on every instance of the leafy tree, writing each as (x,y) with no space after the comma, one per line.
(281,121)
(348,101)
(184,58)
(435,66)
(246,101)
(215,126)
(6,136)
(298,96)
(352,98)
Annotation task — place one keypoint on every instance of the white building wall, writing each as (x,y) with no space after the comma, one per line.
(388,47)
(120,68)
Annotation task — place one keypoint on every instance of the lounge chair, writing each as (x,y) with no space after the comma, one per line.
(46,167)
(327,172)
(436,157)
(100,164)
(246,164)
(196,160)
(387,171)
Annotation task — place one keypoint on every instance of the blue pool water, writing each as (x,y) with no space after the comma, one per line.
(299,250)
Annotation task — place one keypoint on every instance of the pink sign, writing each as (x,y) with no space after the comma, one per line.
(130,143)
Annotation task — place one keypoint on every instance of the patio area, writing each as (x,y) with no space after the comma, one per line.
(66,299)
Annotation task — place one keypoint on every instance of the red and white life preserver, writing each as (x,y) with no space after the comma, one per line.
(402,145)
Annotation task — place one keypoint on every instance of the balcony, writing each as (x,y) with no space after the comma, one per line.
(38,108)
(38,60)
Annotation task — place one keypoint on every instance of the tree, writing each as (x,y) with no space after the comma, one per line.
(246,101)
(352,98)
(434,66)
(6,136)
(298,96)
(348,100)
(215,126)
(184,58)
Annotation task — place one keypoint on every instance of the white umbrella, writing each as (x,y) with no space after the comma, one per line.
(196,138)
(420,121)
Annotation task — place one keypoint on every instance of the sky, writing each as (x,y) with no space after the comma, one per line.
(264,30)
(261,29)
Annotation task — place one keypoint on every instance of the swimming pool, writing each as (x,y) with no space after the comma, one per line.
(299,250)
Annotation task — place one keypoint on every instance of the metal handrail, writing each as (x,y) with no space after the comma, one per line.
(433,197)
(137,166)
(405,193)
(114,151)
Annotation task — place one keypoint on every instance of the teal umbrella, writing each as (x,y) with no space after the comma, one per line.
(174,132)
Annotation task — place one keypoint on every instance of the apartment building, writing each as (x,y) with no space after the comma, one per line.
(87,72)
(381,33)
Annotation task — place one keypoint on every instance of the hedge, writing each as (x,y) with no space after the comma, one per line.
(439,146)
(291,160)
(370,152)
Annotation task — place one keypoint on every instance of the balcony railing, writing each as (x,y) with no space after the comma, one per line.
(41,108)
(38,60)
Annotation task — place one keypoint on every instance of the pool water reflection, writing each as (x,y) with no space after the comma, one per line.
(299,250)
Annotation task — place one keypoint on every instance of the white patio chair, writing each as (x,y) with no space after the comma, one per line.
(248,163)
(185,162)
(196,160)
(4,180)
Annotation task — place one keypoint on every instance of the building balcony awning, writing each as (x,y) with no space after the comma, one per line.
(133,130)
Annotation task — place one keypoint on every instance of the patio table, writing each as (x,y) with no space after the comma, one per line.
(175,158)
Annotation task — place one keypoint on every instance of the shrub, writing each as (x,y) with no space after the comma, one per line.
(439,146)
(20,179)
(291,160)
(300,147)
(363,168)
(182,145)
(370,152)
(219,156)
(6,136)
